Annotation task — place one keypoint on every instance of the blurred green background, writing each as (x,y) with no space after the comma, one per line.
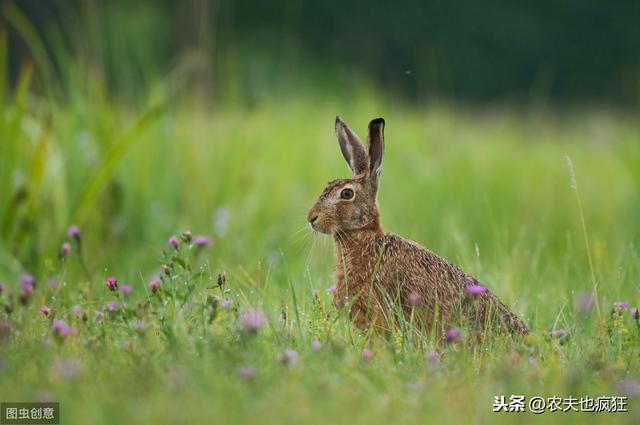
(136,120)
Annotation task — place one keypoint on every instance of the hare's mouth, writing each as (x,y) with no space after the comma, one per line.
(319,225)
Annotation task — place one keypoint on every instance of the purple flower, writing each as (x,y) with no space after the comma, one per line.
(475,289)
(253,320)
(202,241)
(5,330)
(112,307)
(289,357)
(623,306)
(585,301)
(154,284)
(627,387)
(52,283)
(333,289)
(415,299)
(44,310)
(67,369)
(227,303)
(99,315)
(126,290)
(64,250)
(434,357)
(316,345)
(139,326)
(452,335)
(635,314)
(246,373)
(559,333)
(62,329)
(1,287)
(28,283)
(74,233)
(76,310)
(366,354)
(111,283)
(173,241)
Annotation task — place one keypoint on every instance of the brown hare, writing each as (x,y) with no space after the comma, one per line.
(376,272)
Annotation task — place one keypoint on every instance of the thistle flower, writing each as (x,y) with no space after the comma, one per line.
(99,315)
(635,314)
(5,330)
(333,289)
(253,320)
(623,306)
(289,357)
(1,287)
(52,283)
(246,373)
(316,345)
(475,289)
(44,310)
(366,354)
(173,241)
(434,357)
(64,250)
(227,303)
(76,310)
(415,299)
(111,283)
(125,290)
(628,387)
(74,233)
(559,333)
(62,329)
(28,283)
(452,335)
(112,307)
(154,284)
(202,241)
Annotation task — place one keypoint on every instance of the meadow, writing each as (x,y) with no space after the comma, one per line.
(107,314)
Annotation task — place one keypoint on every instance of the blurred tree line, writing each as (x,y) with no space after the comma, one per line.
(564,50)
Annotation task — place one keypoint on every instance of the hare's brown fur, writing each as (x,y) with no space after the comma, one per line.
(377,271)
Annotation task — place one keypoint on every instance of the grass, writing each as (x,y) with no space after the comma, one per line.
(489,190)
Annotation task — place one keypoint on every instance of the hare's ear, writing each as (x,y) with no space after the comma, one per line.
(351,147)
(375,140)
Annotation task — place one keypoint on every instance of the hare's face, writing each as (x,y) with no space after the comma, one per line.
(350,204)
(345,204)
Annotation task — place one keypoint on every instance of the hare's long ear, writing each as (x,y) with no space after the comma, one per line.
(351,147)
(375,140)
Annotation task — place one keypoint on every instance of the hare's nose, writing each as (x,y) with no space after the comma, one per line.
(312,219)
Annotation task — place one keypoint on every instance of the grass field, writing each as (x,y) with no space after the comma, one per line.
(489,189)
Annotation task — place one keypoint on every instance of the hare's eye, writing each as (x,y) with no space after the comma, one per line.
(346,193)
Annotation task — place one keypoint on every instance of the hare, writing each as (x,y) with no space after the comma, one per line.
(376,271)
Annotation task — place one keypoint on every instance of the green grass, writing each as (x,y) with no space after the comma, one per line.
(487,189)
